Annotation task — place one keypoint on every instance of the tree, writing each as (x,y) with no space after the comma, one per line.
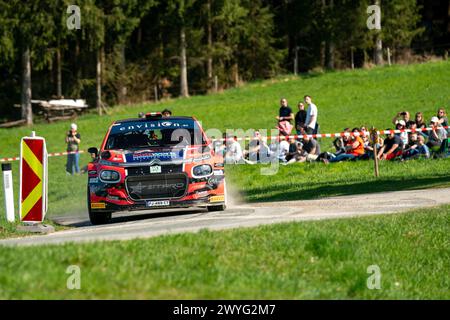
(400,23)
(179,11)
(32,30)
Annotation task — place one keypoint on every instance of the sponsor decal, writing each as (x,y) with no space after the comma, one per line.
(160,124)
(157,156)
(98,205)
(139,188)
(202,194)
(217,199)
(93,180)
(218,172)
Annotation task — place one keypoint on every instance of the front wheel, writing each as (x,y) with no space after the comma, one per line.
(221,207)
(97,218)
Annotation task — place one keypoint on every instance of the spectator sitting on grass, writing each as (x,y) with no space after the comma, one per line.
(294,152)
(233,153)
(300,118)
(283,149)
(258,149)
(368,148)
(354,148)
(416,148)
(392,148)
(404,115)
(437,135)
(443,120)
(420,121)
(311,149)
(412,144)
(340,142)
(401,125)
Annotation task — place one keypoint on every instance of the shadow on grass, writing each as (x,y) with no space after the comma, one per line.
(321,190)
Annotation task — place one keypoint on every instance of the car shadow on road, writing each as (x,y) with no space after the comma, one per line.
(123,217)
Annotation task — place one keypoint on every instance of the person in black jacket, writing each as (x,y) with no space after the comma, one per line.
(300,118)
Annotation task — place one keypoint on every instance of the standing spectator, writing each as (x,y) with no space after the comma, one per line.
(233,151)
(73,140)
(404,115)
(311,116)
(300,118)
(392,147)
(437,135)
(285,116)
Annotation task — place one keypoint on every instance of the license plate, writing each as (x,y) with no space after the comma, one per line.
(155,169)
(161,203)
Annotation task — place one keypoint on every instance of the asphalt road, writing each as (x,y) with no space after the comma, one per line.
(147,224)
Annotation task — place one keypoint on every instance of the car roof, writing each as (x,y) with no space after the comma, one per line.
(154,119)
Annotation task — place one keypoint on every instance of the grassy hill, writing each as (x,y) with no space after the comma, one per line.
(344,99)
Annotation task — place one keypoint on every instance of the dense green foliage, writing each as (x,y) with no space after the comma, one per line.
(138,43)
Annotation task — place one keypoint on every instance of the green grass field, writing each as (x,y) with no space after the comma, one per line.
(309,260)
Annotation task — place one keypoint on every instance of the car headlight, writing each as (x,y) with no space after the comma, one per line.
(203,170)
(110,176)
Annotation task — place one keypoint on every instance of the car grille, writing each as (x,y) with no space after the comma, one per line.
(157,186)
(145,170)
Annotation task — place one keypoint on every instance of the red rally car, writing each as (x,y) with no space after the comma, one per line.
(152,163)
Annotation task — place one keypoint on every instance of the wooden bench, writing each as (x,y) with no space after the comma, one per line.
(62,109)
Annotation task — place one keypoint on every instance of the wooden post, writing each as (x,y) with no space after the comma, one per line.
(216,84)
(389,56)
(352,57)
(374,141)
(155,88)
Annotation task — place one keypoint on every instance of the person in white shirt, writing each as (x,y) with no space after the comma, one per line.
(283,149)
(234,151)
(311,115)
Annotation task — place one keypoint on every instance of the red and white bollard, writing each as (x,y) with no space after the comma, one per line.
(8,191)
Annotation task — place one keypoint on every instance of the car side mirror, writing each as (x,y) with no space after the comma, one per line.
(93,150)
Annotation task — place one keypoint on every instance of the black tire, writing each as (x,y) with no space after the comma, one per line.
(97,218)
(100,217)
(221,207)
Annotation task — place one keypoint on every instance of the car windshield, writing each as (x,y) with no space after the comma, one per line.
(154,133)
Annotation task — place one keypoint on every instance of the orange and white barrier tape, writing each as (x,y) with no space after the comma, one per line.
(339,134)
(55,154)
